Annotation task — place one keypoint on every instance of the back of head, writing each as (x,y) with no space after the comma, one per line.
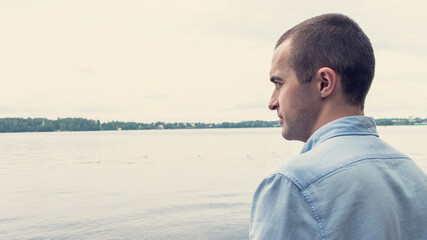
(337,42)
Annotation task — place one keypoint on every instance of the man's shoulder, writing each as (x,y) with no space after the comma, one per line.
(335,154)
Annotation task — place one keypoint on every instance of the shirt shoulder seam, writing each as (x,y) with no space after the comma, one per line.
(352,163)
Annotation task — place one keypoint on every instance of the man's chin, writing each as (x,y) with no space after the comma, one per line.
(285,133)
(288,136)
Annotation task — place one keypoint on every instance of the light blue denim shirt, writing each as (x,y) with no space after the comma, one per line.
(346,184)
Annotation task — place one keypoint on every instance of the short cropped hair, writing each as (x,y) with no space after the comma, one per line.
(337,42)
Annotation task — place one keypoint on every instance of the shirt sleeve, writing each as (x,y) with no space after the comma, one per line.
(280,211)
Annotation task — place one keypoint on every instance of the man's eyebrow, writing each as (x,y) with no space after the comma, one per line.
(275,79)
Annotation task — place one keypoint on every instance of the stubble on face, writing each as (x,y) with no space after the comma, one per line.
(295,103)
(299,119)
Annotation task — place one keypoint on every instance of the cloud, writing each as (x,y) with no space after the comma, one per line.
(184,60)
(98,109)
(252,105)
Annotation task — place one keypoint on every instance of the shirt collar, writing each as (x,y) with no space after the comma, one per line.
(354,125)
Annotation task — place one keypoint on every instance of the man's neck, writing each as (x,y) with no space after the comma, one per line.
(332,113)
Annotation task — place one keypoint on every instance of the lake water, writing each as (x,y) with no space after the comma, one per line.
(171,184)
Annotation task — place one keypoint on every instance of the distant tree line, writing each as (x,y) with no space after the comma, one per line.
(81,124)
(46,125)
(400,121)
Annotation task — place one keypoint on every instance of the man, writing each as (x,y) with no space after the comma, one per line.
(346,183)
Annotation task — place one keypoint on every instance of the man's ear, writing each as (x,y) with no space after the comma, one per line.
(326,81)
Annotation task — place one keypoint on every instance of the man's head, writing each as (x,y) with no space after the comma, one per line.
(333,62)
(337,42)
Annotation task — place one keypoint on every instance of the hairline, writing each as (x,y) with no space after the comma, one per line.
(289,36)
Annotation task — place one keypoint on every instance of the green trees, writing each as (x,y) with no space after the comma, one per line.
(81,124)
(399,121)
(46,125)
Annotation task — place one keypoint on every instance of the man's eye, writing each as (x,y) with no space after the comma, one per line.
(278,84)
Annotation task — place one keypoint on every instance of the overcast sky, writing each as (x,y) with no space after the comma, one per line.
(187,60)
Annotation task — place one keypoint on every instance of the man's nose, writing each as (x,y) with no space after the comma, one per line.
(273,104)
